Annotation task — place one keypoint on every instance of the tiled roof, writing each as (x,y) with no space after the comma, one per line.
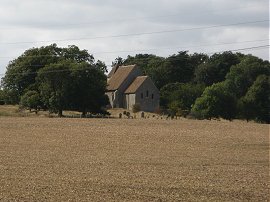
(114,69)
(119,77)
(136,84)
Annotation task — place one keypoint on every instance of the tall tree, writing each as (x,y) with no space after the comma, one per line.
(215,68)
(256,103)
(88,88)
(216,101)
(54,86)
(2,97)
(242,75)
(180,95)
(31,100)
(22,72)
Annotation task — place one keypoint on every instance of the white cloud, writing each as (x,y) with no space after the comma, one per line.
(48,20)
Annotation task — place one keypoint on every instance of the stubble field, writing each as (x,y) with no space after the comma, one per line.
(58,159)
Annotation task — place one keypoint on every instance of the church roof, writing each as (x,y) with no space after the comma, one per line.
(114,69)
(136,84)
(119,77)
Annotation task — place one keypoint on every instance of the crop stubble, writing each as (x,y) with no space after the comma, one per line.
(53,159)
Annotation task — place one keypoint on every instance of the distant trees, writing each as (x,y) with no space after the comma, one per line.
(31,100)
(2,97)
(242,75)
(215,68)
(54,85)
(217,101)
(176,68)
(56,79)
(225,85)
(256,103)
(136,108)
(88,88)
(180,96)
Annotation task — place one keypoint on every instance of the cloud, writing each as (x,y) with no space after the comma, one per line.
(39,20)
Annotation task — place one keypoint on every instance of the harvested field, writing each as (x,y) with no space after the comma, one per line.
(58,159)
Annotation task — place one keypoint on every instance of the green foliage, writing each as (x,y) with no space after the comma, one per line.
(88,88)
(215,68)
(242,75)
(136,108)
(216,102)
(175,107)
(118,62)
(54,84)
(255,104)
(176,68)
(72,86)
(2,97)
(182,78)
(61,78)
(10,97)
(180,96)
(31,100)
(22,72)
(101,66)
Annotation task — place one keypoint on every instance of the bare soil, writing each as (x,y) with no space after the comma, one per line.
(59,159)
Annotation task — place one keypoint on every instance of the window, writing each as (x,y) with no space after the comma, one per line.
(147,93)
(152,96)
(112,96)
(141,95)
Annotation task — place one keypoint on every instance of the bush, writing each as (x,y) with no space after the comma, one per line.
(136,108)
(30,100)
(216,101)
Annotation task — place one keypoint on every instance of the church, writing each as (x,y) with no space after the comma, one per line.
(128,86)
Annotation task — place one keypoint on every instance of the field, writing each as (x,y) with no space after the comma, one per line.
(59,159)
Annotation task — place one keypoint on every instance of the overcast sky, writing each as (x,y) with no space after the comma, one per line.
(99,26)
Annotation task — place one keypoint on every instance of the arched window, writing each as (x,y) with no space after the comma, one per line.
(147,93)
(152,96)
(141,95)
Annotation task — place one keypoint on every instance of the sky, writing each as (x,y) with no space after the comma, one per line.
(112,28)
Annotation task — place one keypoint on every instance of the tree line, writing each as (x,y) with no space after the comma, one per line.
(56,79)
(224,85)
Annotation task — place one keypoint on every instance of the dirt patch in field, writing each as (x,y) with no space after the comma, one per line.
(57,159)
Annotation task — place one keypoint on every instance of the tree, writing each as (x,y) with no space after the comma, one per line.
(118,62)
(176,68)
(242,75)
(31,100)
(2,97)
(54,85)
(255,104)
(101,66)
(64,78)
(179,67)
(214,69)
(216,101)
(180,96)
(88,88)
(136,108)
(142,60)
(22,72)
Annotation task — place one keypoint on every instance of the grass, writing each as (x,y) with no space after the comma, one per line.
(14,111)
(43,159)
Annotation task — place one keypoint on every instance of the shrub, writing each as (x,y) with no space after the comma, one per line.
(136,108)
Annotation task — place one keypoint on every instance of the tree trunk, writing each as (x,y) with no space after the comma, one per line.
(60,113)
(83,114)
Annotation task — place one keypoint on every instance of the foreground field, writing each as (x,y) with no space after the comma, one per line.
(53,159)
